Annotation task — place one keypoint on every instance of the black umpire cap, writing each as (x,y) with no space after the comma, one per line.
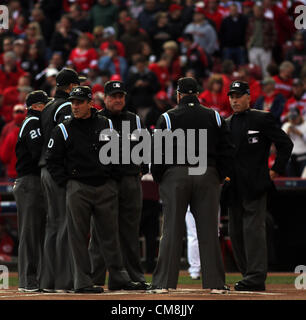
(38,96)
(67,76)
(112,87)
(238,86)
(187,85)
(80,93)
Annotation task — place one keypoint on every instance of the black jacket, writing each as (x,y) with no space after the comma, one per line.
(134,121)
(74,150)
(190,114)
(256,131)
(55,112)
(232,31)
(29,145)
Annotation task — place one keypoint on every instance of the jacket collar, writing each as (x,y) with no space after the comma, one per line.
(61,94)
(92,116)
(108,114)
(188,101)
(32,112)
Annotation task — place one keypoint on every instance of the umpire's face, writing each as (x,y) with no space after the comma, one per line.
(81,108)
(115,102)
(239,102)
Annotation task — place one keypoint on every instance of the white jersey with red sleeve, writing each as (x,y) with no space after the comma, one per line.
(82,60)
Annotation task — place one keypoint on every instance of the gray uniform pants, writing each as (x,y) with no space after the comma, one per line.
(56,272)
(202,192)
(31,228)
(99,203)
(129,215)
(247,229)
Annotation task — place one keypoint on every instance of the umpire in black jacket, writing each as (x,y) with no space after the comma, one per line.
(252,132)
(178,189)
(129,187)
(28,194)
(56,271)
(73,161)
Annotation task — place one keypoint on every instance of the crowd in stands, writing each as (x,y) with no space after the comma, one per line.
(150,44)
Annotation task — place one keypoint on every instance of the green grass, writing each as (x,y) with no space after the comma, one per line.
(185,279)
(13,281)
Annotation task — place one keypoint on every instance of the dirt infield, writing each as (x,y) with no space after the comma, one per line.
(183,292)
(273,292)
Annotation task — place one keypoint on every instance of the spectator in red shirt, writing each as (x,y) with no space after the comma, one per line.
(297,100)
(20,25)
(17,118)
(171,49)
(255,87)
(213,13)
(11,97)
(84,56)
(10,72)
(7,45)
(215,97)
(160,68)
(7,149)
(284,79)
(6,242)
(109,34)
(98,102)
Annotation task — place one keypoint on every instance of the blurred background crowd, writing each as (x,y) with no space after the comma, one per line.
(150,44)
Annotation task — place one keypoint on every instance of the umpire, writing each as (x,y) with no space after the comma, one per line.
(129,191)
(28,194)
(73,160)
(56,274)
(178,189)
(252,132)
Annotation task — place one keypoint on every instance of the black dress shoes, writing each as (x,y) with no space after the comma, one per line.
(221,290)
(92,289)
(145,285)
(128,286)
(242,286)
(155,289)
